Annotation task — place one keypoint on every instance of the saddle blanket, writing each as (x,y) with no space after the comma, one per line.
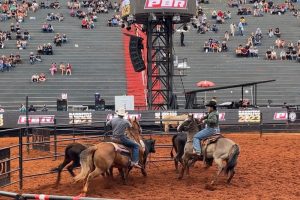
(119,147)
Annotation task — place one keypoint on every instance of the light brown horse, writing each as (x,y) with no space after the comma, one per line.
(224,151)
(102,157)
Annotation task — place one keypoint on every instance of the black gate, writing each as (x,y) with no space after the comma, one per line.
(4,166)
(41,139)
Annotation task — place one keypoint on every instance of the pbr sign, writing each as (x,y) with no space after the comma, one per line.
(36,119)
(166,4)
(280,116)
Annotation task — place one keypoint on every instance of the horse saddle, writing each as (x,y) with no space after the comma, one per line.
(212,139)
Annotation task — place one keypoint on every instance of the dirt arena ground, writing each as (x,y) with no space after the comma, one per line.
(268,168)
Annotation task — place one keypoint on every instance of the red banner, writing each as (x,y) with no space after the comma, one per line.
(166,4)
(37,119)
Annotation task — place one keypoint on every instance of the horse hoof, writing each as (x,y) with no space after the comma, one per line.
(179,177)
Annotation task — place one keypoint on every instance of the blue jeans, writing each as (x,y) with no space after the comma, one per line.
(201,135)
(131,144)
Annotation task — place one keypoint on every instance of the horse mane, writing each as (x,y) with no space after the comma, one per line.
(134,133)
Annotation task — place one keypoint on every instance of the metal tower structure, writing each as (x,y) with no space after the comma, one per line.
(158,17)
(160,67)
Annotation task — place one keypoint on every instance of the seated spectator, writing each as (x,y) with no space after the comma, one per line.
(227,15)
(273,55)
(18,26)
(56,5)
(42,77)
(40,50)
(22,108)
(26,35)
(69,69)
(18,35)
(91,24)
(62,68)
(233,3)
(17,59)
(47,28)
(220,20)
(224,46)
(288,55)
(253,51)
(50,17)
(64,38)
(268,54)
(35,78)
(277,32)
(1,45)
(84,23)
(31,109)
(8,35)
(44,109)
(279,43)
(258,13)
(282,55)
(298,56)
(33,58)
(12,27)
(271,33)
(290,46)
(48,50)
(294,54)
(214,28)
(206,47)
(53,69)
(258,33)
(57,40)
(257,40)
(214,14)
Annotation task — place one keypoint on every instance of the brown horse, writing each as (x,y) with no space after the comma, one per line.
(102,157)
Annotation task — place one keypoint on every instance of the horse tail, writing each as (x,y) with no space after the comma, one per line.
(232,159)
(65,162)
(173,145)
(86,161)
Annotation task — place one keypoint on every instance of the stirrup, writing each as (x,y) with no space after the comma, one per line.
(197,153)
(136,165)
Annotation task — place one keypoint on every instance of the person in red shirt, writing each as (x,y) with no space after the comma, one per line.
(69,69)
(84,23)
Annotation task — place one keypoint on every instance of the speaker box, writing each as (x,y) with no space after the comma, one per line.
(62,105)
(135,50)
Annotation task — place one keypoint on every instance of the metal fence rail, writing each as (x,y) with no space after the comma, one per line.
(17,196)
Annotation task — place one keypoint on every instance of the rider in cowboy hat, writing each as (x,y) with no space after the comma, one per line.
(211,120)
(119,125)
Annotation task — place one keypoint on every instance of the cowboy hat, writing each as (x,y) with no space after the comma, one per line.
(211,104)
(121,112)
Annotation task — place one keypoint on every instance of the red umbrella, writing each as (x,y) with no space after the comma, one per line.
(205,84)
